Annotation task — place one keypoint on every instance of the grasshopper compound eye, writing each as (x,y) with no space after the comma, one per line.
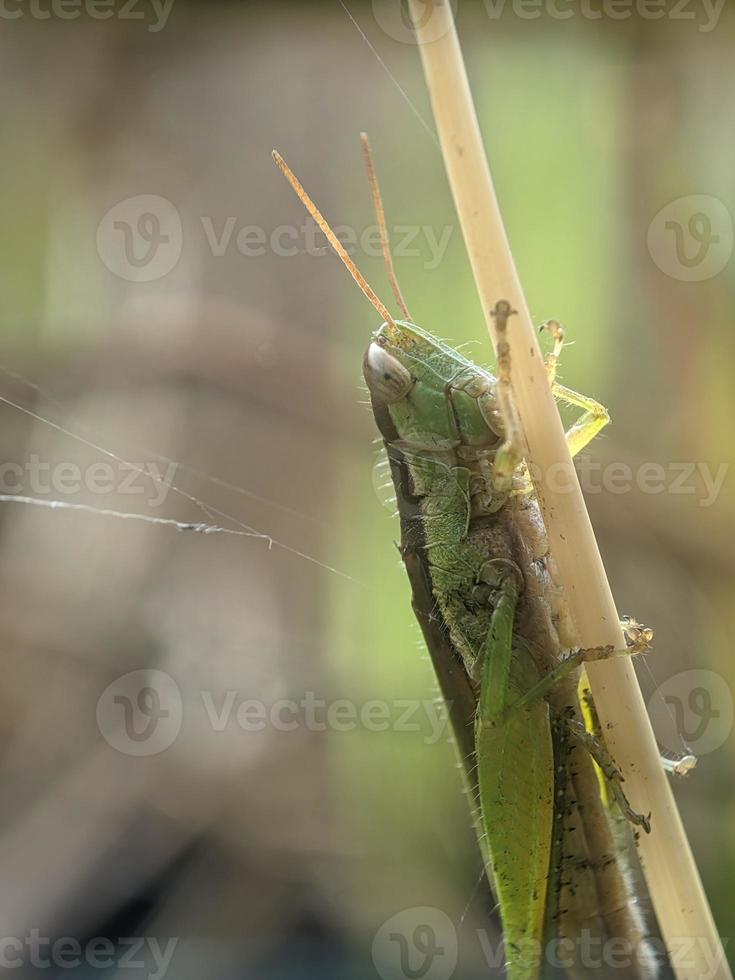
(388,380)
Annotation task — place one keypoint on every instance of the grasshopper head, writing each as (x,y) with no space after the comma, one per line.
(414,384)
(387,370)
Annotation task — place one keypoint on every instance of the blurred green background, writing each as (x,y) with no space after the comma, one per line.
(152,330)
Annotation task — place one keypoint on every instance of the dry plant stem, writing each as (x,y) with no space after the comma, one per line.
(673,881)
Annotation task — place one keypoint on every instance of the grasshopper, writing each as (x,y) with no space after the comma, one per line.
(548,805)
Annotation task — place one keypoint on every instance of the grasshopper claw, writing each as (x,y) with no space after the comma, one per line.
(554,328)
(637,636)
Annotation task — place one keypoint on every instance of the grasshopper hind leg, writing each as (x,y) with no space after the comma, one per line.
(515,770)
(572,660)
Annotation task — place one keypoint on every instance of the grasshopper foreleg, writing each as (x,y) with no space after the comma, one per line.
(552,358)
(595,416)
(510,454)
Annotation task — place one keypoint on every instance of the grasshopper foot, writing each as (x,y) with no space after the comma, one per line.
(598,751)
(637,636)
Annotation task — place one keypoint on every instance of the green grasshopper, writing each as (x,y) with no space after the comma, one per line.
(548,801)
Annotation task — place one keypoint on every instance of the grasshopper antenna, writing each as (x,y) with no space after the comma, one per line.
(331,237)
(382,226)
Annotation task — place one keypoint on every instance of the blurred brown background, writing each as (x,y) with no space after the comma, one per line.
(165,299)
